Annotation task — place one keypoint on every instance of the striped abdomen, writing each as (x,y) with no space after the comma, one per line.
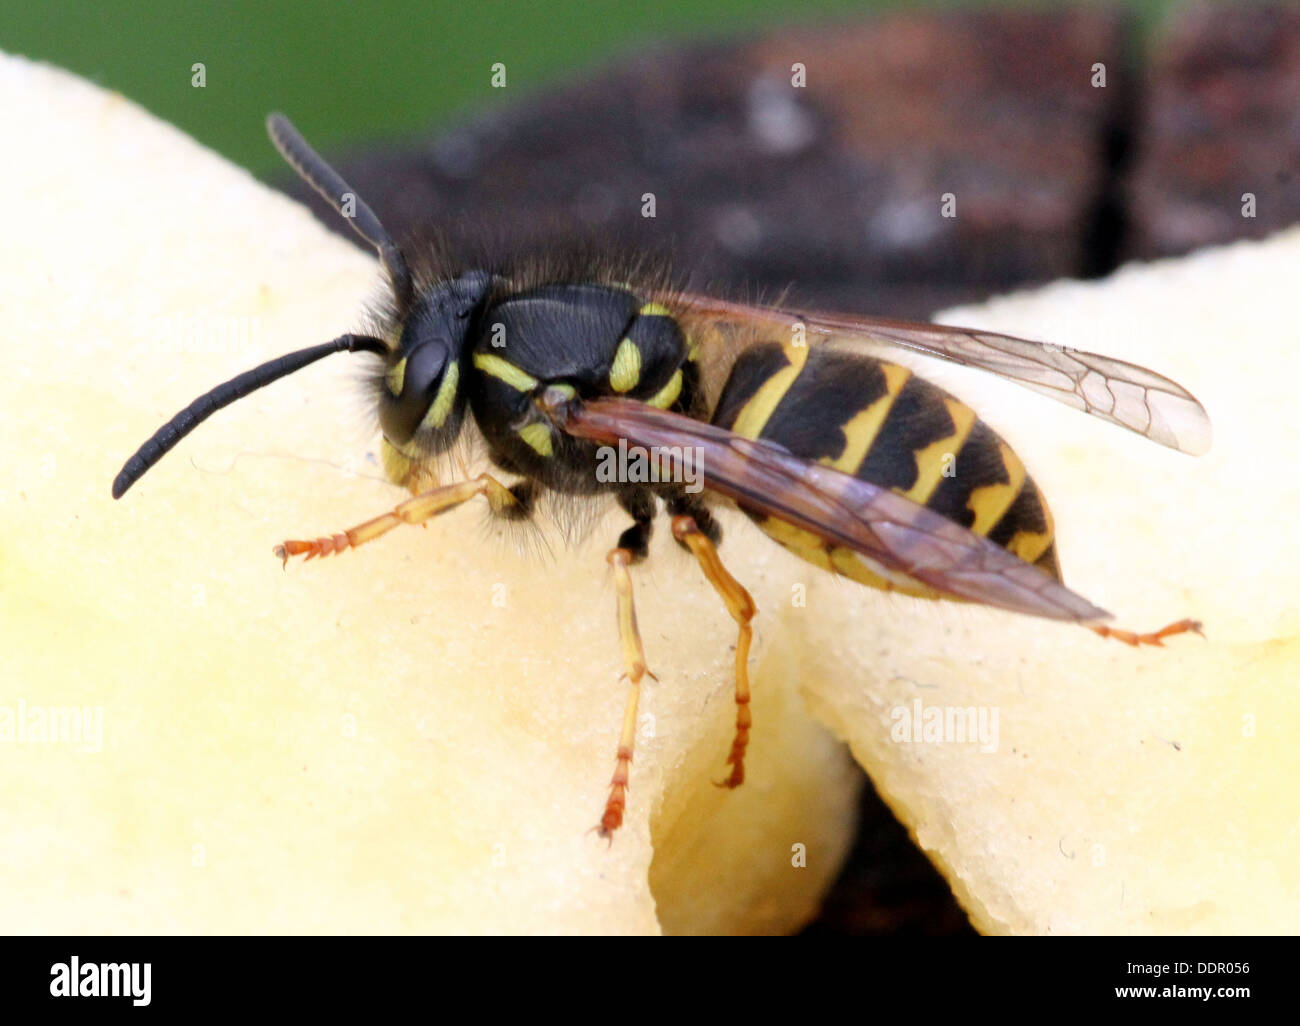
(881,423)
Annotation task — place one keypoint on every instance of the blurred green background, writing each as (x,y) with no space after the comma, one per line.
(351,72)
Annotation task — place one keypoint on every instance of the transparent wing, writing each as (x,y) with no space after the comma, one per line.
(765,478)
(1123,393)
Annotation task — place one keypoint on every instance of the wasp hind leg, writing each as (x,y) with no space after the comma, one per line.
(692,529)
(633,544)
(415,510)
(1153,638)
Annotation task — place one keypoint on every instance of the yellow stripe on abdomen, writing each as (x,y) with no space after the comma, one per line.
(861,429)
(990,502)
(755,413)
(935,458)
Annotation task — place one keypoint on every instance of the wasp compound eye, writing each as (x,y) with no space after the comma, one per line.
(419,385)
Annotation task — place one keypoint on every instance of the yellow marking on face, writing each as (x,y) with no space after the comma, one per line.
(396,377)
(755,413)
(565,389)
(504,370)
(626,369)
(653,310)
(537,436)
(667,395)
(990,502)
(442,402)
(861,430)
(397,465)
(408,467)
(930,462)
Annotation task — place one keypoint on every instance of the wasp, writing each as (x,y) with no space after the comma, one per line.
(795,417)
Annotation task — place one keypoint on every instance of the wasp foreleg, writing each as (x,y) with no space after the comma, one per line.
(413,511)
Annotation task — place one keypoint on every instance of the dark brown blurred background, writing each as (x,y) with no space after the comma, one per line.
(833,192)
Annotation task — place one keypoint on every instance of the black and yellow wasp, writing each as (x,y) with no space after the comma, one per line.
(836,453)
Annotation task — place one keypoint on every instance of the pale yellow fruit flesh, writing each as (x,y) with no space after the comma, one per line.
(414,737)
(417,736)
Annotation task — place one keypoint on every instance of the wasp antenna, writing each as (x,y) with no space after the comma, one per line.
(313,170)
(166,437)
